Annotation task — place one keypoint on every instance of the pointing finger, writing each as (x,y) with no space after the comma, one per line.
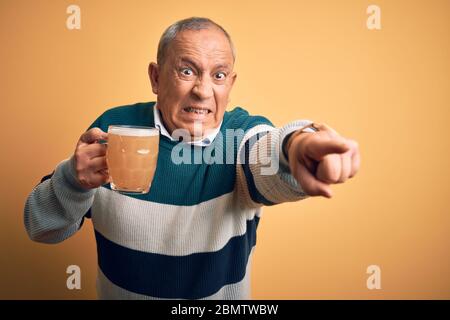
(319,148)
(329,130)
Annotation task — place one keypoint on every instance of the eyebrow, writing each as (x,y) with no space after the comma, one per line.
(189,61)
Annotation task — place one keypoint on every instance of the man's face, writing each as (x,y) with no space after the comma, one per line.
(194,82)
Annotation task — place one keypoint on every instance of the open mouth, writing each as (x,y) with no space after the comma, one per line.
(197,110)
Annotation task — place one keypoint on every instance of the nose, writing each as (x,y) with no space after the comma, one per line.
(203,88)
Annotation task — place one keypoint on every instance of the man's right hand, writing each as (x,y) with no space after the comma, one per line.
(90,159)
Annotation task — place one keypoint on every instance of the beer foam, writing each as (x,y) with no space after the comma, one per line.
(133,131)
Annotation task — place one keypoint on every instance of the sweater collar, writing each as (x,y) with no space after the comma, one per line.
(206,141)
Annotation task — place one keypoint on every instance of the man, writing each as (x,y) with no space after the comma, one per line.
(192,235)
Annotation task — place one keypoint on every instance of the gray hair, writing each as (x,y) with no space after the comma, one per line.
(193,23)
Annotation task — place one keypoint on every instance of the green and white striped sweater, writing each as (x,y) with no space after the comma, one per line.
(192,236)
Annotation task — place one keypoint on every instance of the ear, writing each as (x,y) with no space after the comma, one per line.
(153,74)
(233,78)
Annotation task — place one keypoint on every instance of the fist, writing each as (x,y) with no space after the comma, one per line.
(90,159)
(322,158)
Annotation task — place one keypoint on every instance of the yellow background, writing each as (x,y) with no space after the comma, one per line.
(388,89)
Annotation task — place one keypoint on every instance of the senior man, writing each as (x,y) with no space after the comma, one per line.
(192,236)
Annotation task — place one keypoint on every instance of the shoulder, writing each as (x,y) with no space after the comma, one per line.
(139,114)
(239,118)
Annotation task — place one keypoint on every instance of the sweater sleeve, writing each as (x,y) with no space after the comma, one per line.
(263,174)
(56,207)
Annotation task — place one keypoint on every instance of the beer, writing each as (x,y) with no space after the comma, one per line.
(131,156)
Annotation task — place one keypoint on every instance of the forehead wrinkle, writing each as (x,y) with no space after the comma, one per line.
(209,60)
(197,51)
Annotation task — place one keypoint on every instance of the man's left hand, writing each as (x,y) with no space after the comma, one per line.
(322,158)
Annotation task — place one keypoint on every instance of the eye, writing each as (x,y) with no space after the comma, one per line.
(220,75)
(187,71)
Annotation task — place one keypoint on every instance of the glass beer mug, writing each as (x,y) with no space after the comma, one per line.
(131,156)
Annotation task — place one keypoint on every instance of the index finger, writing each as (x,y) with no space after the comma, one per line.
(93,135)
(326,128)
(319,148)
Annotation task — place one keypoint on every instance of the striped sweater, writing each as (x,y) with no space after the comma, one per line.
(192,236)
